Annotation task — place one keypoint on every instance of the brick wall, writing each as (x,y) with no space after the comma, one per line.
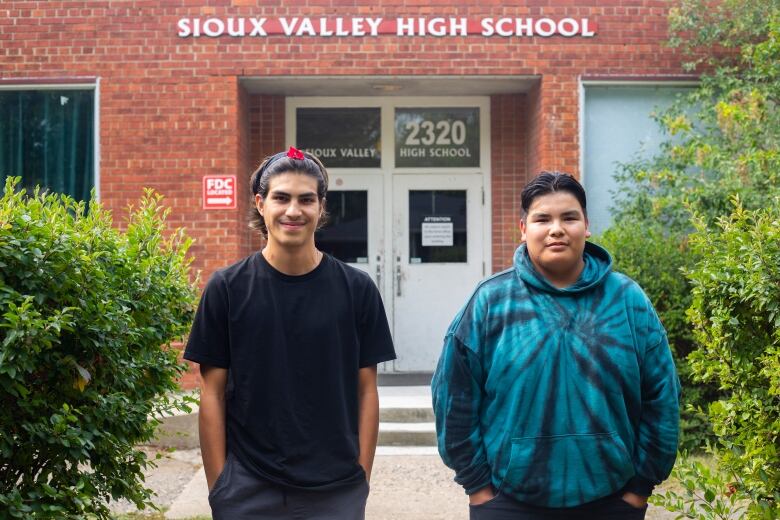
(172,109)
(509,163)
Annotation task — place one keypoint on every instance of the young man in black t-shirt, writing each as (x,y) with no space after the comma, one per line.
(288,340)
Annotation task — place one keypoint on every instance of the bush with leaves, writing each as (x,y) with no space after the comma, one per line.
(87,316)
(736,317)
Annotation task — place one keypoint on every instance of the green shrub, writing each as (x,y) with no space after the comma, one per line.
(656,258)
(88,313)
(736,317)
(707,493)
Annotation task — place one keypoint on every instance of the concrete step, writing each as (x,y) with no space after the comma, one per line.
(407,434)
(405,419)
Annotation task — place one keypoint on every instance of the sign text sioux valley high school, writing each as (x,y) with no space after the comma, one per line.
(367,26)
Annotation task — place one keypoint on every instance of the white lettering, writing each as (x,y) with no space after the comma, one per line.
(232,30)
(524,27)
(586,30)
(213,27)
(487,27)
(437,27)
(184,28)
(340,30)
(324,31)
(306,28)
(404,27)
(459,27)
(573,27)
(412,152)
(357,27)
(257,27)
(503,27)
(288,26)
(541,31)
(374,24)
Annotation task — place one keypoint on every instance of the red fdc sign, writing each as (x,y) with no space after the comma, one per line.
(219,192)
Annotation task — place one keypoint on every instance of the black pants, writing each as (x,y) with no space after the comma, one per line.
(611,507)
(239,495)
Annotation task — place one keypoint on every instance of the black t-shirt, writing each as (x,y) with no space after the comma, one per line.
(293,346)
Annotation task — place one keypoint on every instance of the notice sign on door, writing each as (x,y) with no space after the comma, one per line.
(437,231)
(219,192)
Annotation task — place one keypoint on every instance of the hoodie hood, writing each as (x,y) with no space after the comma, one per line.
(598,264)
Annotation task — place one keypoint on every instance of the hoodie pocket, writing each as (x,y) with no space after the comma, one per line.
(566,470)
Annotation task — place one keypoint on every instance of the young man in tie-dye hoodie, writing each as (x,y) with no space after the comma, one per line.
(556,395)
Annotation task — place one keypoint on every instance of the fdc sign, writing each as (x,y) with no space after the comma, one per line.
(219,192)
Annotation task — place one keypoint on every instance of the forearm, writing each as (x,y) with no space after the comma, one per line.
(212,425)
(456,403)
(368,421)
(658,429)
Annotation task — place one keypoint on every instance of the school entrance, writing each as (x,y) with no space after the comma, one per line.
(407,204)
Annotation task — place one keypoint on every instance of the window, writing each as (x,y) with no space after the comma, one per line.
(618,127)
(47,137)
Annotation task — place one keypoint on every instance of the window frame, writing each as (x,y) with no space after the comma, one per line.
(93,84)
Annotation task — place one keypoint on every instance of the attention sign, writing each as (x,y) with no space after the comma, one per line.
(219,192)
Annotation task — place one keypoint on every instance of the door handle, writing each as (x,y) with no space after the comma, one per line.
(398,276)
(379,272)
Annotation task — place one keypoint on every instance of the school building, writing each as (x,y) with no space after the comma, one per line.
(431,115)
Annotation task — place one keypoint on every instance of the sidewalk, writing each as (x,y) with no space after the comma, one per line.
(408,483)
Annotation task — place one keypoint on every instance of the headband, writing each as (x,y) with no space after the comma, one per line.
(292,153)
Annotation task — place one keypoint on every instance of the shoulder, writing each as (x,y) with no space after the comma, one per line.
(226,277)
(642,313)
(627,288)
(351,275)
(488,292)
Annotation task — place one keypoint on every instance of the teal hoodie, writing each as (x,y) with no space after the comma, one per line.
(557,397)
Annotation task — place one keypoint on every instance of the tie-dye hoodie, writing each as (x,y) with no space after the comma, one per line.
(557,397)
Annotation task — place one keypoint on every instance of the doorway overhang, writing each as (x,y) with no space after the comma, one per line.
(365,86)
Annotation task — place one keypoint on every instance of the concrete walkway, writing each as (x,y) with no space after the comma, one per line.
(408,482)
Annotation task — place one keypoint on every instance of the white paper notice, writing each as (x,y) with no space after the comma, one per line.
(437,234)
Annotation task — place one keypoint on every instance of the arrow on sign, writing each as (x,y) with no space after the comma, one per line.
(219,200)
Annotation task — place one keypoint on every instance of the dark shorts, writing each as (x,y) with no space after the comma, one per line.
(502,507)
(240,495)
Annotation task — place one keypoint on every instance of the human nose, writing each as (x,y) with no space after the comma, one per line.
(293,210)
(556,229)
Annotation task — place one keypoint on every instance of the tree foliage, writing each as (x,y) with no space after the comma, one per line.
(87,314)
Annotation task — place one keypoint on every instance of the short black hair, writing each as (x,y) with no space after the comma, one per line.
(550,182)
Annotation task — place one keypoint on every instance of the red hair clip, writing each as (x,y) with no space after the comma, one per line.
(294,153)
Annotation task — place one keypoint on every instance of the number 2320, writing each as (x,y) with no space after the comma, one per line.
(441,133)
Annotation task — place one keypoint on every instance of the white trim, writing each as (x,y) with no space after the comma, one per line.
(96,137)
(640,83)
(618,83)
(49,86)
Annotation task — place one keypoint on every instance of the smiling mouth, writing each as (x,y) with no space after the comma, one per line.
(557,244)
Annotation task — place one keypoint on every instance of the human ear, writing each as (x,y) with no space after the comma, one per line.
(522,230)
(259,203)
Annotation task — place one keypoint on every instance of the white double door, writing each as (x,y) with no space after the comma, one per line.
(420,238)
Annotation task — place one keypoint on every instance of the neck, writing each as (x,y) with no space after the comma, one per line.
(561,280)
(292,261)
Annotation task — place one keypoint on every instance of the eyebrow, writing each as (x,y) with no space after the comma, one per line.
(284,193)
(570,213)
